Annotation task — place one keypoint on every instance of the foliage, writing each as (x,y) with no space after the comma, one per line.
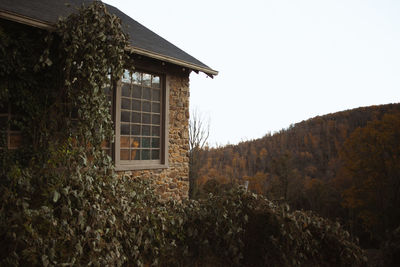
(242,228)
(62,204)
(92,48)
(313,146)
(303,166)
(57,188)
(267,234)
(232,228)
(21,89)
(370,174)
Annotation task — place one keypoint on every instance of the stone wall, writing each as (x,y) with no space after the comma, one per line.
(174,181)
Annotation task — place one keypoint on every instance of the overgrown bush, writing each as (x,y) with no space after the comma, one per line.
(246,229)
(122,221)
(63,205)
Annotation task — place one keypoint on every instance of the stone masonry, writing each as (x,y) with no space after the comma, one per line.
(173,182)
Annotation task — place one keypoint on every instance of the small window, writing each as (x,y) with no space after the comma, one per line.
(140,112)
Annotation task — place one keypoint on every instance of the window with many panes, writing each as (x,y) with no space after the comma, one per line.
(140,121)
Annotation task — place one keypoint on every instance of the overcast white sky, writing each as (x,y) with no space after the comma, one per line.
(280,62)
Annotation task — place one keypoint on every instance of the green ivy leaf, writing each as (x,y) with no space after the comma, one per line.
(56,196)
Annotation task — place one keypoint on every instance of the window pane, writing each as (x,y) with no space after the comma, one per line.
(125,103)
(145,154)
(136,105)
(155,142)
(156,95)
(124,141)
(155,119)
(125,116)
(146,93)
(146,106)
(136,117)
(126,90)
(156,107)
(125,129)
(146,80)
(137,91)
(156,82)
(145,130)
(135,154)
(155,154)
(145,142)
(135,129)
(136,77)
(146,118)
(124,154)
(135,142)
(155,131)
(126,77)
(15,140)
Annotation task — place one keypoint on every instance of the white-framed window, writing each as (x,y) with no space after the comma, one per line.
(140,121)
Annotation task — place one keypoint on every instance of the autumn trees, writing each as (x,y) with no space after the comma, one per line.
(343,166)
(370,174)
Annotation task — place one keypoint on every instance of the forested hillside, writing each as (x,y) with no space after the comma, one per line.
(344,166)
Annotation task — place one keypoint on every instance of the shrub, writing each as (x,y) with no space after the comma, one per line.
(260,233)
(122,221)
(62,203)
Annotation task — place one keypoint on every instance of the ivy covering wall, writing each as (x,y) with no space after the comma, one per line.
(61,203)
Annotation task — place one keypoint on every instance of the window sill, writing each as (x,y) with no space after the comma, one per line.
(138,167)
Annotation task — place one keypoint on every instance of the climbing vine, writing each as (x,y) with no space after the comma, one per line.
(92,51)
(61,203)
(59,184)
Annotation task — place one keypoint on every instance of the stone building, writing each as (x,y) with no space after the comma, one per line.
(150,105)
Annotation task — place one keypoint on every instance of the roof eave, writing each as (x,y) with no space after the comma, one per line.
(26,20)
(136,50)
(144,52)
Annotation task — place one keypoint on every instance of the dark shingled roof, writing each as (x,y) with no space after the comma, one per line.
(143,41)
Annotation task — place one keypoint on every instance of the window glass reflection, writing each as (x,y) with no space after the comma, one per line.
(136,78)
(146,81)
(126,77)
(156,82)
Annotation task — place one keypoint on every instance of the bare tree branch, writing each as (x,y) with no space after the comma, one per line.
(199,131)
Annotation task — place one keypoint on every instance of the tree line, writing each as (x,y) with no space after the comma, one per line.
(344,166)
